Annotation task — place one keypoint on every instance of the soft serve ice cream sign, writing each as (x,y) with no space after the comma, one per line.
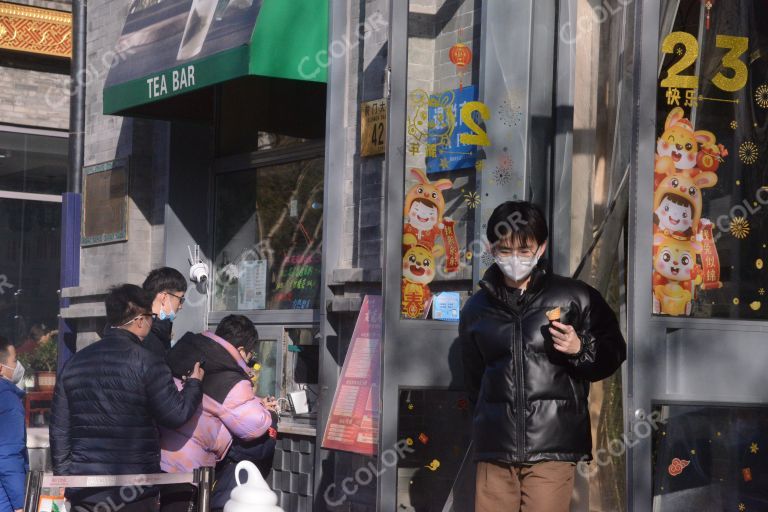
(253,495)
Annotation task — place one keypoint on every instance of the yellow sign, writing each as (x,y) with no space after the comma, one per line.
(373,127)
(34,30)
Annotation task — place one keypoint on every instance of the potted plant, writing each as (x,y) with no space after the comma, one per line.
(43,361)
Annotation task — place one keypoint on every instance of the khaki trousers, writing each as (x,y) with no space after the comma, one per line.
(541,487)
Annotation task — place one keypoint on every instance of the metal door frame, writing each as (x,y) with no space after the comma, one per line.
(409,347)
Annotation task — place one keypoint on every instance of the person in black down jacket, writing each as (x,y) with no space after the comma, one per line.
(167,288)
(531,343)
(107,405)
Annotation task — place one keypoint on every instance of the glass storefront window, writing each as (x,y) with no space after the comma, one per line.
(710,195)
(268,237)
(709,457)
(444,151)
(302,361)
(33,163)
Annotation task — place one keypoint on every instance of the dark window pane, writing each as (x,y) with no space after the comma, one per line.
(33,163)
(710,458)
(29,269)
(437,425)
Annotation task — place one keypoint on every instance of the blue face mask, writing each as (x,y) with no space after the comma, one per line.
(166,316)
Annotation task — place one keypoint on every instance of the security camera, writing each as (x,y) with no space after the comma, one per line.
(198,273)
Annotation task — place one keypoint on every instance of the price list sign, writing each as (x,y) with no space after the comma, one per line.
(353,425)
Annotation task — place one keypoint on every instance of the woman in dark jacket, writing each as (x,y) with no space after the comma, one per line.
(532,342)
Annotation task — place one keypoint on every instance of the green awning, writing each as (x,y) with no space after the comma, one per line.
(171,49)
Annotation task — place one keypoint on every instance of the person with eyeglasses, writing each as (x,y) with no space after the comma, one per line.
(168,288)
(14,461)
(109,402)
(532,342)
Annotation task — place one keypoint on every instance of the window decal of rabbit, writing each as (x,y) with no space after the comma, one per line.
(685,255)
(424,220)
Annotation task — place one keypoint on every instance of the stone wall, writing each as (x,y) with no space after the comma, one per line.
(34,91)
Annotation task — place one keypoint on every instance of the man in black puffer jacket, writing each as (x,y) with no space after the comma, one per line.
(532,342)
(108,403)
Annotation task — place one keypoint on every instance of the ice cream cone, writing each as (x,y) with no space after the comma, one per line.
(553,315)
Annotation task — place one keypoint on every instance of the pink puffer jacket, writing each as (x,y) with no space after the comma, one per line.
(205,439)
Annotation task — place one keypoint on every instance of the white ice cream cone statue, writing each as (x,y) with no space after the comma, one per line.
(252,496)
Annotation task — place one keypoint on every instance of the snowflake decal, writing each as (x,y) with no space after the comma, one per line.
(749,152)
(472,200)
(761,96)
(509,114)
(739,228)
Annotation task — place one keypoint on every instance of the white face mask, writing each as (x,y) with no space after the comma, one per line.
(18,372)
(516,267)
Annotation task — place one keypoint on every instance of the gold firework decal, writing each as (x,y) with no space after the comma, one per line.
(472,199)
(734,125)
(761,96)
(761,291)
(748,152)
(740,228)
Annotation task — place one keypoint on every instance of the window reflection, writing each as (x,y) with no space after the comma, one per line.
(268,237)
(33,163)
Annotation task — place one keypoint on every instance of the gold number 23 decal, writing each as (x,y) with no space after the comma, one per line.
(478,137)
(736,46)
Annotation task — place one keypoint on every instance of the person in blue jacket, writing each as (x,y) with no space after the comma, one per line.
(14,462)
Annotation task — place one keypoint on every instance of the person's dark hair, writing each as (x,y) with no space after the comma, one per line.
(239,331)
(125,302)
(164,279)
(520,220)
(5,344)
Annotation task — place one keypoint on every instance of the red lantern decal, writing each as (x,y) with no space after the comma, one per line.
(460,55)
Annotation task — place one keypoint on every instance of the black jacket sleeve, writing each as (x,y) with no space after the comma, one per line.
(170,407)
(59,430)
(474,365)
(603,348)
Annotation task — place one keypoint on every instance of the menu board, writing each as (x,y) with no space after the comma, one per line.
(711,172)
(353,425)
(298,283)
(252,285)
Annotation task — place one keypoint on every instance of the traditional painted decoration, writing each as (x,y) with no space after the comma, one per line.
(34,30)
